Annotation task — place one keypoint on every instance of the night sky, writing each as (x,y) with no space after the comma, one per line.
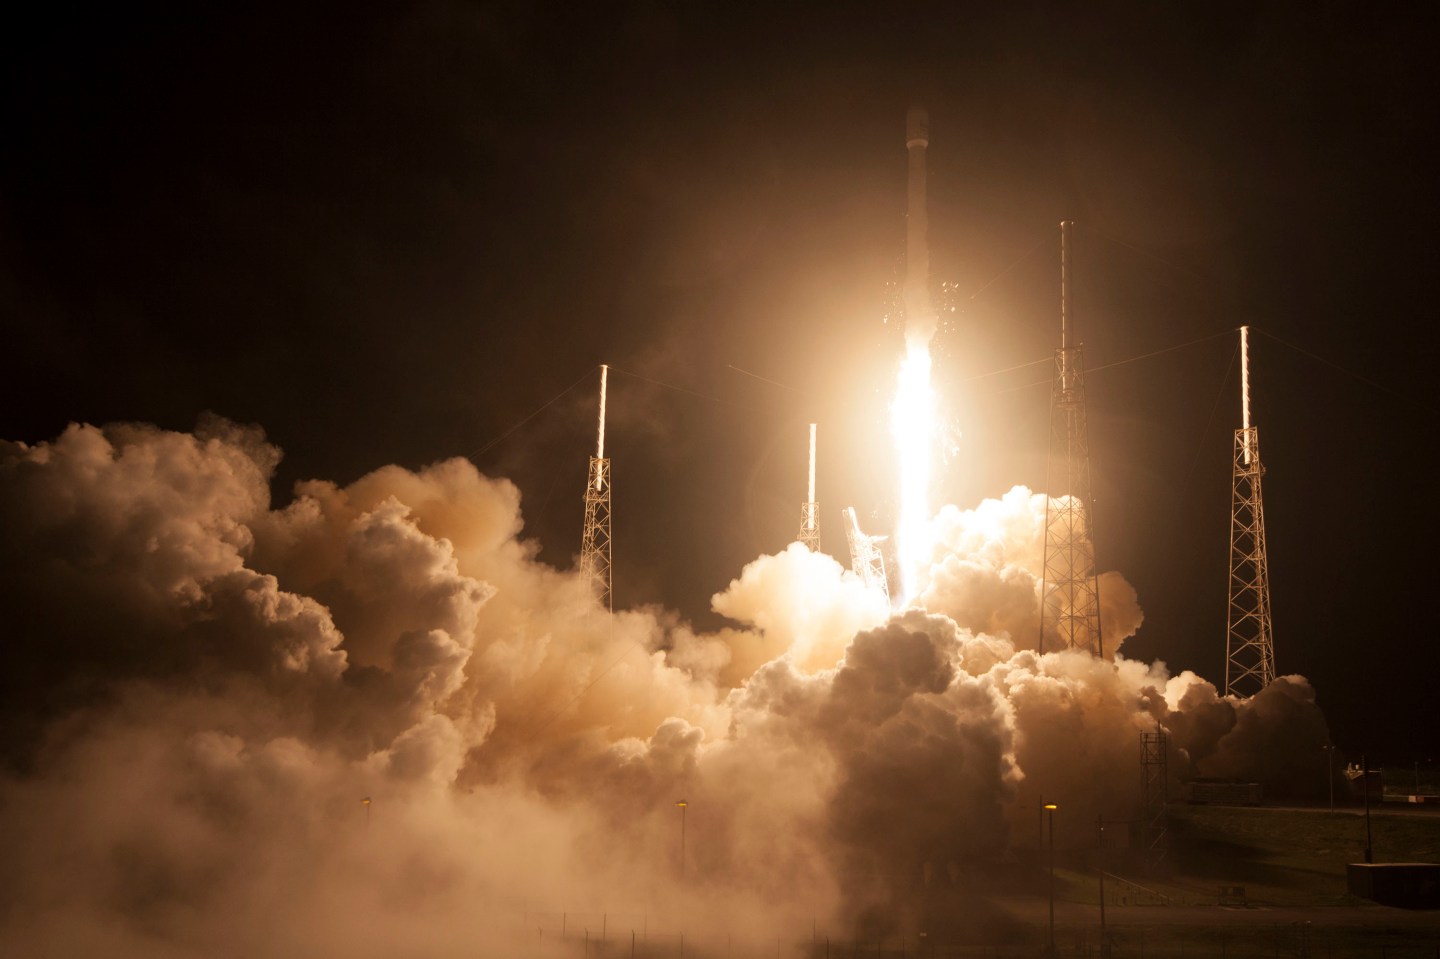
(390,233)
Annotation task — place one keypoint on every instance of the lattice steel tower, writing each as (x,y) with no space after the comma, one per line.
(1250,653)
(1070,592)
(810,510)
(1154,794)
(595,540)
(866,559)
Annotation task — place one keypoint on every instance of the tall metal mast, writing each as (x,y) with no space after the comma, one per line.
(595,539)
(1070,591)
(1249,652)
(810,510)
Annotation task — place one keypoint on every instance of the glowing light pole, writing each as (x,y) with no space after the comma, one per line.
(1365,791)
(366,803)
(1051,807)
(682,804)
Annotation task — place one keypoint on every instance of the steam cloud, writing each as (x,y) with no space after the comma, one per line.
(197,690)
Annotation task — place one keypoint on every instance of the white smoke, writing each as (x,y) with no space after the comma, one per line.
(199,690)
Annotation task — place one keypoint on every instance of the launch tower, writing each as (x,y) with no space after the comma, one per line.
(1154,794)
(595,539)
(1250,655)
(866,560)
(810,510)
(1070,592)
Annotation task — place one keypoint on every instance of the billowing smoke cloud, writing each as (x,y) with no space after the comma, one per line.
(986,568)
(197,692)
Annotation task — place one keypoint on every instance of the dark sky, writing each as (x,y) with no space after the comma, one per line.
(390,232)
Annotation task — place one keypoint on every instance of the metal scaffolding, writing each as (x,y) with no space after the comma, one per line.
(1249,651)
(866,559)
(595,538)
(1154,794)
(1070,591)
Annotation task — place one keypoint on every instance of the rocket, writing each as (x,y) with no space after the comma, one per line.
(920,321)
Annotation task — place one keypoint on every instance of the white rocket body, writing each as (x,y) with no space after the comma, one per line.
(919,319)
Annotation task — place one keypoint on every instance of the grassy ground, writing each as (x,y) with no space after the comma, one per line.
(1292,857)
(1291,863)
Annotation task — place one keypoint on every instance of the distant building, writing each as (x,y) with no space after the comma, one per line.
(1409,885)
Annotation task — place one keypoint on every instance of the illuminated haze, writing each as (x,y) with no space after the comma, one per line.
(200,689)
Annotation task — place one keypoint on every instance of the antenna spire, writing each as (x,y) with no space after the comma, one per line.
(1249,644)
(810,510)
(600,434)
(1070,590)
(1065,227)
(1245,380)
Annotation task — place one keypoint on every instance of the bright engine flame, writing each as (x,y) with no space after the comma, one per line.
(914,424)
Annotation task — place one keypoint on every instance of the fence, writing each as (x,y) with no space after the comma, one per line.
(615,936)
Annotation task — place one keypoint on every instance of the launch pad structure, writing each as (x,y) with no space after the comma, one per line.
(866,559)
(1249,648)
(1070,590)
(1154,795)
(595,537)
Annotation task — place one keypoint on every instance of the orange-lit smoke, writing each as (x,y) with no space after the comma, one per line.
(197,690)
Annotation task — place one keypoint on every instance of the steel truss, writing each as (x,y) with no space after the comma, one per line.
(595,539)
(866,559)
(1250,652)
(1070,591)
(1154,794)
(809,526)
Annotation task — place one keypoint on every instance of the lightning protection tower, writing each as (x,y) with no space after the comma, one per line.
(1154,794)
(810,510)
(595,539)
(1250,655)
(866,560)
(1070,592)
